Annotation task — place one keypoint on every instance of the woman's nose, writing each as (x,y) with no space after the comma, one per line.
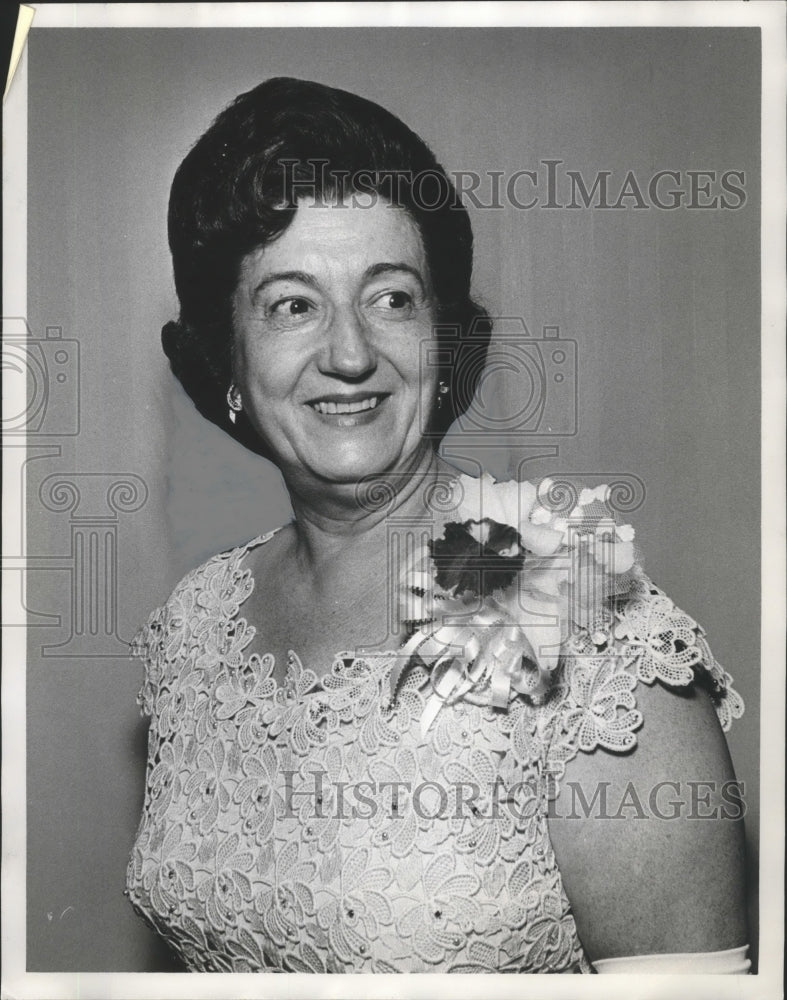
(348,352)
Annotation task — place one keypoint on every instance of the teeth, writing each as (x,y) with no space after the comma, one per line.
(330,407)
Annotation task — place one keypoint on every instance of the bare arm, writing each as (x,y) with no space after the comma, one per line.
(639,881)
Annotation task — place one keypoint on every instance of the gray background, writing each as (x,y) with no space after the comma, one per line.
(663,305)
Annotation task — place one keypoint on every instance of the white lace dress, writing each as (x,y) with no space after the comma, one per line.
(313,827)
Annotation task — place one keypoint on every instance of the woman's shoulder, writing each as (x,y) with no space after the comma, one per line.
(222,576)
(642,670)
(644,636)
(666,806)
(620,629)
(637,759)
(206,600)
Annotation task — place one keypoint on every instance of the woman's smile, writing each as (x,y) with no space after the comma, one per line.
(356,410)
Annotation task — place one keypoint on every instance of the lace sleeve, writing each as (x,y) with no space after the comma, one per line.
(625,617)
(640,637)
(161,641)
(146,646)
(669,646)
(191,627)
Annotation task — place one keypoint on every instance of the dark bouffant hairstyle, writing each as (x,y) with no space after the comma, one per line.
(238,189)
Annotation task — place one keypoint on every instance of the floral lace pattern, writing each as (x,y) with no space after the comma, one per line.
(312,826)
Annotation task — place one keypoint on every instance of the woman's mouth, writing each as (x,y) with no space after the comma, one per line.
(348,411)
(329,406)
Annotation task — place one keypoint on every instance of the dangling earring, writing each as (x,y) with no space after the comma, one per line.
(442,391)
(234,402)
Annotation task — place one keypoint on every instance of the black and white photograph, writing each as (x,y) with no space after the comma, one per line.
(393,509)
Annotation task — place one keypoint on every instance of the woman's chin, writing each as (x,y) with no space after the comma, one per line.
(342,468)
(342,450)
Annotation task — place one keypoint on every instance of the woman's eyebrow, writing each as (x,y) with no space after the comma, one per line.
(302,277)
(388,268)
(373,271)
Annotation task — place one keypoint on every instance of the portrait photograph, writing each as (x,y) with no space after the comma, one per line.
(393,449)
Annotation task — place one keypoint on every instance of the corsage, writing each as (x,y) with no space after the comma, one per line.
(490,603)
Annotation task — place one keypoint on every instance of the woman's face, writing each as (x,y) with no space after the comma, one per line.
(328,324)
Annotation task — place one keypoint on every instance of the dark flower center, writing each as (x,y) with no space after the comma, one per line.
(467,566)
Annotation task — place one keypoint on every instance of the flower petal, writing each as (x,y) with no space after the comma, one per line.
(540,540)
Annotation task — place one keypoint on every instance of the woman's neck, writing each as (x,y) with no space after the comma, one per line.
(344,521)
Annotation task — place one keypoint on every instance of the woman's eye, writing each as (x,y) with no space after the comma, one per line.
(401,302)
(290,308)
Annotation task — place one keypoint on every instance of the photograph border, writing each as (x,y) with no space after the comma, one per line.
(16,982)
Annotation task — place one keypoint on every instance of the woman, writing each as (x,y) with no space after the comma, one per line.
(400,732)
